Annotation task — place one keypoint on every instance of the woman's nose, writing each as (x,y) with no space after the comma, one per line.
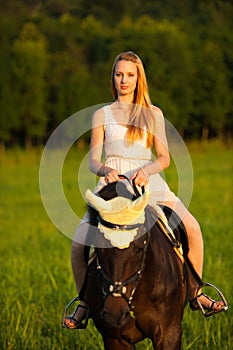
(123,78)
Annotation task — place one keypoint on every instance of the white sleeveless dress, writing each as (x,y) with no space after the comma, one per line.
(127,158)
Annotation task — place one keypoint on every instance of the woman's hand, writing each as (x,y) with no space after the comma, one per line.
(141,177)
(112,176)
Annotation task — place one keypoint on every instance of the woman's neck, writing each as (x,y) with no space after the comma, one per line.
(125,98)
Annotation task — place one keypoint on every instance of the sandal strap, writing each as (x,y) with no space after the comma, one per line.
(77,324)
(75,311)
(80,306)
(195,304)
(210,299)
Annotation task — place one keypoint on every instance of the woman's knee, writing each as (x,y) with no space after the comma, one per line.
(192,226)
(81,235)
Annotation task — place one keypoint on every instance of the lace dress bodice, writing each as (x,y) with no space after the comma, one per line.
(116,144)
(127,158)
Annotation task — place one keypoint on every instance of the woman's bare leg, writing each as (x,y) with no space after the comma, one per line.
(79,268)
(195,239)
(196,246)
(78,263)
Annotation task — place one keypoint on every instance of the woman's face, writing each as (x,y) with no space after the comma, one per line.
(125,77)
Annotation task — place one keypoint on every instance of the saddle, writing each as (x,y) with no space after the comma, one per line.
(172,227)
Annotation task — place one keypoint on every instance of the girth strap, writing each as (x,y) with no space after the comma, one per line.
(171,237)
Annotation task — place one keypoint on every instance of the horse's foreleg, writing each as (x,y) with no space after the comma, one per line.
(170,340)
(117,344)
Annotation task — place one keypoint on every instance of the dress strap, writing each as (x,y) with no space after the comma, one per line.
(108,116)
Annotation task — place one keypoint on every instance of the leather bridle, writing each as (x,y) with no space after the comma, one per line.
(119,288)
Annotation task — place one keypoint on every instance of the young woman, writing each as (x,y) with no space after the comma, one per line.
(127,129)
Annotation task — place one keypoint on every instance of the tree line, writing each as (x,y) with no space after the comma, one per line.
(56,59)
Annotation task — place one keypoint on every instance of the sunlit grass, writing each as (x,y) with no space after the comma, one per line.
(36,278)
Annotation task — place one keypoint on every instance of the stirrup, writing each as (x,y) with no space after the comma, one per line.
(83,323)
(207,312)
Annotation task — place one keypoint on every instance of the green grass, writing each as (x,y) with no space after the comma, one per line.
(36,278)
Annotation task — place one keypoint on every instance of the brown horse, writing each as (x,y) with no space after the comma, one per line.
(140,291)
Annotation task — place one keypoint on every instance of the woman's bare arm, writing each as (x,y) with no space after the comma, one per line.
(96,147)
(161,147)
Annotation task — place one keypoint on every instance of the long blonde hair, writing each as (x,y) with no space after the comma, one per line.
(140,117)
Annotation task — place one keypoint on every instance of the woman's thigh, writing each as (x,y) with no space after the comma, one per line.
(189,221)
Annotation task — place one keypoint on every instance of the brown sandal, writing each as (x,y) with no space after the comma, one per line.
(77,324)
(196,304)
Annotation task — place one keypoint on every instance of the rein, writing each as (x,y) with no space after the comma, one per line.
(118,288)
(134,187)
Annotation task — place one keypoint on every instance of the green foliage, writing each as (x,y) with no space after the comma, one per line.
(28,70)
(57,55)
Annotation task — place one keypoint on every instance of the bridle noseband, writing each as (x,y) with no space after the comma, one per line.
(118,288)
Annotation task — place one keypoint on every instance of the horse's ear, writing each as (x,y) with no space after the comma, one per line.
(97,202)
(140,203)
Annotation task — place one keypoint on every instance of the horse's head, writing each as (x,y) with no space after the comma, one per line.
(119,218)
(121,223)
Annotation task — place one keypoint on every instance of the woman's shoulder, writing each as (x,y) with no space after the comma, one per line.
(100,112)
(157,110)
(158,117)
(99,116)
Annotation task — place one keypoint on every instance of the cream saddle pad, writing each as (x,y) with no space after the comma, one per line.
(119,211)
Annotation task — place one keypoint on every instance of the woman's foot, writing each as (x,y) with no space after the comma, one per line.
(79,318)
(207,305)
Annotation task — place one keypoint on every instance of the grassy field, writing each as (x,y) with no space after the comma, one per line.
(36,279)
